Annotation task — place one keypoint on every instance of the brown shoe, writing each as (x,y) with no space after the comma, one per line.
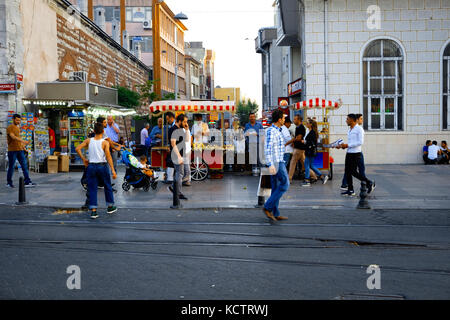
(269,215)
(281,218)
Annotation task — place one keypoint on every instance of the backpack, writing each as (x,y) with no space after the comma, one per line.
(148,141)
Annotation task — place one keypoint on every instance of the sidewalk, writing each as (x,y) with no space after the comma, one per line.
(398,187)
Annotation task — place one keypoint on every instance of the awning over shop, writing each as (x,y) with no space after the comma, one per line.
(93,110)
(193,106)
(110,111)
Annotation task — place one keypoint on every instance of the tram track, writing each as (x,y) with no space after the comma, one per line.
(303,263)
(126,227)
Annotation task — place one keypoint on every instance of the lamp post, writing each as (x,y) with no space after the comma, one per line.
(180,16)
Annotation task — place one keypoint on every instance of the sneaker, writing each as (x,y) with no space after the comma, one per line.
(344,187)
(30,185)
(325,179)
(176,207)
(371,187)
(348,193)
(111,209)
(10,185)
(306,183)
(186,184)
(94,214)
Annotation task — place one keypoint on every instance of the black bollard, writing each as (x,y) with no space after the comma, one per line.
(22,198)
(261,201)
(363,203)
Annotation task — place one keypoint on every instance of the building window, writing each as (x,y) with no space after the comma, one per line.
(446,87)
(138,14)
(383,86)
(146,43)
(111,13)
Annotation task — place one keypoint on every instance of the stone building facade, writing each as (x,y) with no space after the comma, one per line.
(384,59)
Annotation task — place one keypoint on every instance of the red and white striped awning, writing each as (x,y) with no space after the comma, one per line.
(193,106)
(316,103)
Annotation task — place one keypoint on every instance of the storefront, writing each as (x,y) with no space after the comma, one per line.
(70,109)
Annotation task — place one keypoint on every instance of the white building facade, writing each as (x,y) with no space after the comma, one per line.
(386,59)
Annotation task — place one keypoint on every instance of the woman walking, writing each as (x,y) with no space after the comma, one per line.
(310,141)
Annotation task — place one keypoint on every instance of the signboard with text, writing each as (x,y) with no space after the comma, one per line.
(7,88)
(295,87)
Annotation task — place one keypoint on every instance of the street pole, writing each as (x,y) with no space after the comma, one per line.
(15,86)
(176,74)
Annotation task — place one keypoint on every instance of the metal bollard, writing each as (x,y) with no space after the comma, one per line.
(22,197)
(261,201)
(363,203)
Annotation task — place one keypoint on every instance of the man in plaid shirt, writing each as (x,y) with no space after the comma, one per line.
(274,153)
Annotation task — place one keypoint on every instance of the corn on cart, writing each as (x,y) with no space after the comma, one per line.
(203,154)
(323,160)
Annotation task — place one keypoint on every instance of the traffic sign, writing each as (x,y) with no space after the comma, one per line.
(19,77)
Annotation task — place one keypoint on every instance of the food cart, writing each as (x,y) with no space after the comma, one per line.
(323,160)
(215,111)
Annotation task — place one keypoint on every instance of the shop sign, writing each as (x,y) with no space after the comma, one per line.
(295,87)
(7,87)
(283,102)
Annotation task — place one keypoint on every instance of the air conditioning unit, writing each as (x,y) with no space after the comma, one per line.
(147,24)
(78,76)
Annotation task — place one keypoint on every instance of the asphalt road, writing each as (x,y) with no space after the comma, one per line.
(224,254)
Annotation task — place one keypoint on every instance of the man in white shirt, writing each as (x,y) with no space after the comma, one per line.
(353,156)
(144,133)
(288,139)
(200,130)
(433,152)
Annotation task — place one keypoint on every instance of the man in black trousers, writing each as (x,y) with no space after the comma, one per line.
(176,137)
(353,156)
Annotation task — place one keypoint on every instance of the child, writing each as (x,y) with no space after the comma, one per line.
(144,167)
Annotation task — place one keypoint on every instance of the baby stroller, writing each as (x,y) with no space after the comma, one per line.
(134,177)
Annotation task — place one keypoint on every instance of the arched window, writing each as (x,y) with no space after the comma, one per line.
(446,87)
(383,86)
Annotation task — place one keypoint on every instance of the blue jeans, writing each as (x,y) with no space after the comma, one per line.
(287,158)
(19,156)
(280,184)
(361,170)
(309,164)
(99,172)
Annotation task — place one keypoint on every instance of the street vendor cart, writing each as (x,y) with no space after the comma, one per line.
(323,160)
(215,111)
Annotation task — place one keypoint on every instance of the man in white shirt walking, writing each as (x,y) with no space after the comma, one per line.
(353,156)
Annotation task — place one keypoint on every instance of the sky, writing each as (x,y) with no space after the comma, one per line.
(224,26)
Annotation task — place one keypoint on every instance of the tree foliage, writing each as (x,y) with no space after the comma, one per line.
(243,110)
(128,98)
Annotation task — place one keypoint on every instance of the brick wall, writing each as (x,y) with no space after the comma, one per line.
(81,50)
